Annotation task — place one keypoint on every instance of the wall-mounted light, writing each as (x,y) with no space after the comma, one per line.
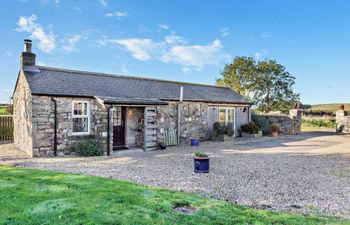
(245,109)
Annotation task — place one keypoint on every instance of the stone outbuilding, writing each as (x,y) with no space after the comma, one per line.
(54,108)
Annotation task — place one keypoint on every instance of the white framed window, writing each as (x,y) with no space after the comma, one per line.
(226,116)
(81,117)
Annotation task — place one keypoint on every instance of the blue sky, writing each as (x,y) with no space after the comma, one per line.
(189,40)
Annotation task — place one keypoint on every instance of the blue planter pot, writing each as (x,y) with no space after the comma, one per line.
(201,165)
(194,142)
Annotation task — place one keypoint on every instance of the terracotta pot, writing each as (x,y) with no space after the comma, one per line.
(275,134)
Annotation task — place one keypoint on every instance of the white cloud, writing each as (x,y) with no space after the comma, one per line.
(118,14)
(70,42)
(141,49)
(266,35)
(174,39)
(57,3)
(8,53)
(76,8)
(47,41)
(260,54)
(173,49)
(257,55)
(195,56)
(103,3)
(225,31)
(164,26)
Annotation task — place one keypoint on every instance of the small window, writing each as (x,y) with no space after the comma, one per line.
(81,118)
(117,116)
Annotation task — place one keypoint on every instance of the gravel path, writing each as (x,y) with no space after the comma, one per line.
(309,173)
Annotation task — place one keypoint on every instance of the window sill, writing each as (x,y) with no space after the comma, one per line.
(81,134)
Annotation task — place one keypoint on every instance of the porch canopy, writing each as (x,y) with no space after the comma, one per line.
(129,101)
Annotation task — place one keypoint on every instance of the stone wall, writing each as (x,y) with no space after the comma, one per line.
(134,127)
(343,122)
(43,124)
(22,115)
(289,124)
(193,119)
(166,119)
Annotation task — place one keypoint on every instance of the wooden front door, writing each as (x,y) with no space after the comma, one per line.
(119,126)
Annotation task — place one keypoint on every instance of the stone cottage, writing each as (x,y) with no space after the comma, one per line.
(54,108)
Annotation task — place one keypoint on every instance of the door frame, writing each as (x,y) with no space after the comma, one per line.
(123,115)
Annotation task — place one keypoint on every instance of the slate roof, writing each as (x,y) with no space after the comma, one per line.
(62,82)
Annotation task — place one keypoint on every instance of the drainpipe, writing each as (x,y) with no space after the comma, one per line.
(108,129)
(179,114)
(55,127)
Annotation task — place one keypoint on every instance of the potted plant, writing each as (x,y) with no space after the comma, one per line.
(195,139)
(162,145)
(201,162)
(275,129)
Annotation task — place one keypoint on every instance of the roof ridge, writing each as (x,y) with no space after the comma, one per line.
(125,76)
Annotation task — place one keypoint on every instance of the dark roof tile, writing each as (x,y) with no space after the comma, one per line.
(62,82)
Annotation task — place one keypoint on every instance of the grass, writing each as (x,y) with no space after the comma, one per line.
(327,123)
(3,111)
(30,196)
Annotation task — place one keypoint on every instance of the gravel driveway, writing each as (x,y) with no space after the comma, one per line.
(309,173)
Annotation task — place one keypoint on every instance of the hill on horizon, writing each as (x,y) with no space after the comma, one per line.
(327,107)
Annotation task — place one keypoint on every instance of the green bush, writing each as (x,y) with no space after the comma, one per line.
(275,128)
(331,123)
(87,148)
(218,129)
(250,128)
(263,122)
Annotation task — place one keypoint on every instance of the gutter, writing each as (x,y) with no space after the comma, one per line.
(55,127)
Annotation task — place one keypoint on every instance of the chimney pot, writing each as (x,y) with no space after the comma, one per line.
(27,45)
(27,57)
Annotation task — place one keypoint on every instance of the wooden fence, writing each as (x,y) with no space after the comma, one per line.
(6,127)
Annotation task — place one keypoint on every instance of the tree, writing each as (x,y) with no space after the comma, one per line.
(275,89)
(240,75)
(265,83)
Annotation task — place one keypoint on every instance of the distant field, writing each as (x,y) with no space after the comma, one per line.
(3,111)
(328,107)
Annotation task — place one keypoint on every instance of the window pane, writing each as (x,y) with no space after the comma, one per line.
(80,125)
(231,115)
(222,116)
(77,108)
(85,109)
(117,117)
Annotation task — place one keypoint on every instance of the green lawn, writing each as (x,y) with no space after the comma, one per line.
(40,197)
(3,111)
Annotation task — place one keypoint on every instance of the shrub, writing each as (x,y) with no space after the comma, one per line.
(230,131)
(250,128)
(275,127)
(87,148)
(329,123)
(217,128)
(263,123)
(201,154)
